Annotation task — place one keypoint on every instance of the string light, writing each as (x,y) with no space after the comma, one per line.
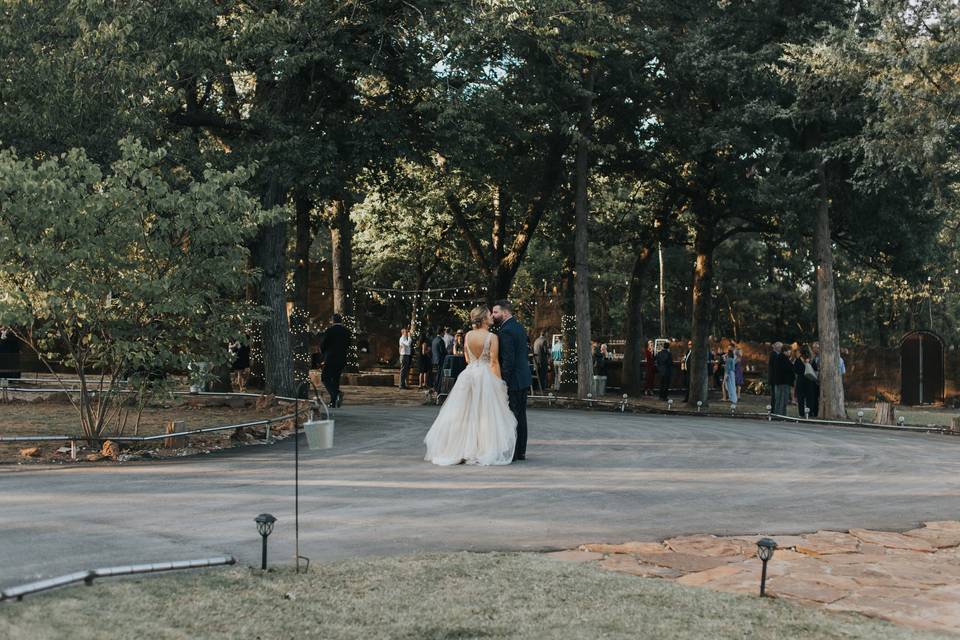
(568,363)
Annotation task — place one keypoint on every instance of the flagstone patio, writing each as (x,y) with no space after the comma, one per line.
(910,578)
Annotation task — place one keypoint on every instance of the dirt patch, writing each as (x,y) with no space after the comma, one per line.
(53,415)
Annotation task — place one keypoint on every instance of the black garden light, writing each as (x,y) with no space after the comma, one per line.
(265,528)
(765,549)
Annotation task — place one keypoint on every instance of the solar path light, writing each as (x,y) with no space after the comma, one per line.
(265,528)
(765,549)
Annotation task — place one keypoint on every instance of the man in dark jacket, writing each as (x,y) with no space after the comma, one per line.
(664,362)
(514,369)
(783,381)
(333,350)
(438,349)
(776,347)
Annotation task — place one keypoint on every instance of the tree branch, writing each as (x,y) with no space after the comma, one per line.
(476,249)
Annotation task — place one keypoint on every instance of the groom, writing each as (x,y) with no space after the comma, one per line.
(515,369)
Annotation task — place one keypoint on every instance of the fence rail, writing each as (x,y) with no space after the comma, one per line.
(624,404)
(87,577)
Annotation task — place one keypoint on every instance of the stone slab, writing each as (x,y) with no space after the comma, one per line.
(892,540)
(626,547)
(710,546)
(828,542)
(685,562)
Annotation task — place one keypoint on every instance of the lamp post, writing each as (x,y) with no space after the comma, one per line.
(860,416)
(765,549)
(769,413)
(699,404)
(265,528)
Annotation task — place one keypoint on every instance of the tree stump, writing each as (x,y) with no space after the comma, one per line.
(884,413)
(175,426)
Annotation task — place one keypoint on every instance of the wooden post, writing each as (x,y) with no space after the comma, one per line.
(955,425)
(174,426)
(884,413)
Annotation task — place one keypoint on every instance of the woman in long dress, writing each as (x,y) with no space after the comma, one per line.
(475,424)
(730,376)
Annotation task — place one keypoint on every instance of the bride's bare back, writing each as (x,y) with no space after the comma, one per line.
(473,343)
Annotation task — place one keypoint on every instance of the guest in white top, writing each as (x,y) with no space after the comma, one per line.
(448,339)
(406,351)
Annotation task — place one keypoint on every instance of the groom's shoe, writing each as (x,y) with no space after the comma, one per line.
(515,458)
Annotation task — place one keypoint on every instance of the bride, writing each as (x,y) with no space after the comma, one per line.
(475,425)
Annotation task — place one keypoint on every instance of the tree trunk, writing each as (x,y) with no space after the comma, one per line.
(341,240)
(634,352)
(500,285)
(828,330)
(270,252)
(700,328)
(581,242)
(300,335)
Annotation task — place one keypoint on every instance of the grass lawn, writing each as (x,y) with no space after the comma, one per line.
(430,597)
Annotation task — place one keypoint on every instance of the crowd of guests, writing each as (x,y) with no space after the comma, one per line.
(794,376)
(793,371)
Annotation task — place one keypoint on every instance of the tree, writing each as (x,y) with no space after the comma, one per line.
(881,204)
(133,271)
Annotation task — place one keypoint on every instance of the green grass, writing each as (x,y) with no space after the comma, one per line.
(428,597)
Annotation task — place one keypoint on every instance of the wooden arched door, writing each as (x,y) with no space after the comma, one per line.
(921,368)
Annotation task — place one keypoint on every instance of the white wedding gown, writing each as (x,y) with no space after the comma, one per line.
(475,424)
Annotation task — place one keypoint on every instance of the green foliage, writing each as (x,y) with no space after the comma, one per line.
(124,271)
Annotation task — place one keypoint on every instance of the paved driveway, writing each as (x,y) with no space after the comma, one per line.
(590,476)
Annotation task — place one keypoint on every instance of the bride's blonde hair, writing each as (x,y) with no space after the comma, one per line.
(478,315)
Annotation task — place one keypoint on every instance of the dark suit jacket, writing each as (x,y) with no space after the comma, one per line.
(664,362)
(784,371)
(772,368)
(514,365)
(439,350)
(336,339)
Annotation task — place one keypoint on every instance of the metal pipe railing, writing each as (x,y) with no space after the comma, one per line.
(623,405)
(87,577)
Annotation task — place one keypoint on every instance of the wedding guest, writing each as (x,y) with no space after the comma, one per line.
(406,355)
(664,362)
(599,360)
(739,371)
(240,368)
(685,368)
(541,358)
(438,351)
(807,385)
(783,381)
(730,375)
(650,369)
(772,369)
(336,340)
(425,366)
(718,371)
(458,343)
(556,354)
(448,339)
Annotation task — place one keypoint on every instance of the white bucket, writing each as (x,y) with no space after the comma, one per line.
(319,434)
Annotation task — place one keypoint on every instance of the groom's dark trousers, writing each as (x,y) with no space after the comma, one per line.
(518,406)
